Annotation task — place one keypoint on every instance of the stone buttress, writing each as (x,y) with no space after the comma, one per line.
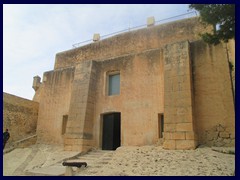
(79,132)
(179,130)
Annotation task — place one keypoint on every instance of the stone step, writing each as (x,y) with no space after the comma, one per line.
(91,155)
(96,162)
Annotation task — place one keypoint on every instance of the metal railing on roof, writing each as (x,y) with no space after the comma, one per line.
(170,19)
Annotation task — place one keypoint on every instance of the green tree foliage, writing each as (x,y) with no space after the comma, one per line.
(221,17)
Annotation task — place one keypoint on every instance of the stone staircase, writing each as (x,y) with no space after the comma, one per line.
(96,160)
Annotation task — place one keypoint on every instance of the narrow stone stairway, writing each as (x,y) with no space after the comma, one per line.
(95,160)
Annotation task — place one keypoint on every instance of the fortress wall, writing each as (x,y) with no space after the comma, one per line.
(213,101)
(132,42)
(77,87)
(54,105)
(19,116)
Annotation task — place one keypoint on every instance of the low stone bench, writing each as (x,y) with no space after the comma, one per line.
(70,164)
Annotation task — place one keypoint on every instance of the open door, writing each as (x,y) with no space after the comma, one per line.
(111,132)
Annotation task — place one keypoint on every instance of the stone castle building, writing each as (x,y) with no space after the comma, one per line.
(137,87)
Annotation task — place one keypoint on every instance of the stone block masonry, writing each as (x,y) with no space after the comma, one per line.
(167,76)
(178,110)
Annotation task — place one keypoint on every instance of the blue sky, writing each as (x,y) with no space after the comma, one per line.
(33,34)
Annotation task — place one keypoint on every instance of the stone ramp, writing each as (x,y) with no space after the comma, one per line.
(14,159)
(24,164)
(95,160)
(36,160)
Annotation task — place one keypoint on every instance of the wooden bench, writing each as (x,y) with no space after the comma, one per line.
(70,164)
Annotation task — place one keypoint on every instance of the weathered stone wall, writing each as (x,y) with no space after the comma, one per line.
(54,104)
(140,99)
(156,77)
(139,94)
(214,109)
(19,116)
(132,42)
(139,74)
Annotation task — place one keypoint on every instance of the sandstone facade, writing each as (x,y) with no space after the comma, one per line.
(172,86)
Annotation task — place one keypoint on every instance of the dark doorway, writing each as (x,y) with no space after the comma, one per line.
(160,125)
(111,132)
